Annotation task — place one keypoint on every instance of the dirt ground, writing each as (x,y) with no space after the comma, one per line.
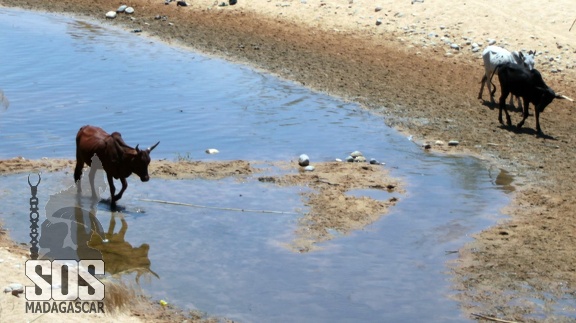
(395,57)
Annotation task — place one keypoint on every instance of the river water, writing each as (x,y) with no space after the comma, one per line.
(60,73)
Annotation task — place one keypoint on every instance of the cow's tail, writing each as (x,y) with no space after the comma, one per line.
(495,71)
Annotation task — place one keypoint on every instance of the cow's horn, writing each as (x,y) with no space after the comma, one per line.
(136,147)
(151,148)
(560,96)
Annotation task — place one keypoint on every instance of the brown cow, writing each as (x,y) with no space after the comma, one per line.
(117,158)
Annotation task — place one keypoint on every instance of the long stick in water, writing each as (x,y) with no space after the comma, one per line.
(217,208)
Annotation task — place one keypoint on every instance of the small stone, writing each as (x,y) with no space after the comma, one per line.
(360,159)
(374,161)
(439,143)
(181,3)
(378,21)
(223,4)
(14,287)
(111,14)
(309,168)
(426,146)
(232,2)
(212,151)
(121,8)
(338,159)
(378,9)
(349,159)
(356,153)
(129,10)
(453,143)
(303,160)
(455,46)
(137,30)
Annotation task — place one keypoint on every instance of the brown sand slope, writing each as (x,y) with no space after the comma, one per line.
(428,90)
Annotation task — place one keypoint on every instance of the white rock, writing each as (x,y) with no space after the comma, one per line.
(309,168)
(212,151)
(122,8)
(303,160)
(14,287)
(356,153)
(129,10)
(360,159)
(111,14)
(338,159)
(453,143)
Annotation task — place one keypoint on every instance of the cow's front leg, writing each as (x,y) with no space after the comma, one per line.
(112,190)
(524,116)
(537,112)
(124,186)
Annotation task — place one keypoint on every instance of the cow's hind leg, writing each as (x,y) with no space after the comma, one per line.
(502,105)
(78,171)
(484,79)
(91,176)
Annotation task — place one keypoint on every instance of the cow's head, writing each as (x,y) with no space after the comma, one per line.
(546,97)
(141,161)
(526,60)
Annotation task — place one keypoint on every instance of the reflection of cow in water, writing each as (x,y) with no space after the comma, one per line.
(72,231)
(119,256)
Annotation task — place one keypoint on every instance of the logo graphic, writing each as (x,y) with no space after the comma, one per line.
(62,265)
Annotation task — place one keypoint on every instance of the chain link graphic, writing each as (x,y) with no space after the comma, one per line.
(34,217)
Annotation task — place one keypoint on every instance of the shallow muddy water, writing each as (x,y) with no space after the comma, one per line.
(63,73)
